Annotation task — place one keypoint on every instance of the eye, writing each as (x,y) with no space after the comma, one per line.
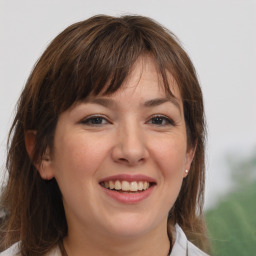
(161,120)
(95,121)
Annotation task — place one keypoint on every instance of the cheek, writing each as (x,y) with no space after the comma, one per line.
(76,164)
(170,155)
(79,156)
(170,160)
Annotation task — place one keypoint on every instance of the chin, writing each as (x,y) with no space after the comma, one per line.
(128,227)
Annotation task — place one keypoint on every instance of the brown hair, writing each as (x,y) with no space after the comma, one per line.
(91,57)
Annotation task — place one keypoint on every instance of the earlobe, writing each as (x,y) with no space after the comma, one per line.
(43,165)
(189,158)
(44,169)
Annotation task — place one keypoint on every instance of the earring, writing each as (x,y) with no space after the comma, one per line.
(186,171)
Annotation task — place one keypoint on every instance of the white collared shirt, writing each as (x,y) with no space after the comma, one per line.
(181,247)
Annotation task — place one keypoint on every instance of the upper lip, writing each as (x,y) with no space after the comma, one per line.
(128,177)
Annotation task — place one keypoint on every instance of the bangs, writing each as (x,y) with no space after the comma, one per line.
(96,59)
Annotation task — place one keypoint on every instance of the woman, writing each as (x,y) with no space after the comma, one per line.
(106,151)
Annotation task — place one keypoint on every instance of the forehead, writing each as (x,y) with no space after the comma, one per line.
(145,78)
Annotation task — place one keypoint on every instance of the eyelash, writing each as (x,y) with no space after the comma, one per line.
(99,118)
(163,118)
(88,120)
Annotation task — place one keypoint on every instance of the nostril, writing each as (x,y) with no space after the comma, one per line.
(123,160)
(130,161)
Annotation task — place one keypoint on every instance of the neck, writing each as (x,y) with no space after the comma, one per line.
(92,243)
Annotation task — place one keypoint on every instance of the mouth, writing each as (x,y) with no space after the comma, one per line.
(128,189)
(126,186)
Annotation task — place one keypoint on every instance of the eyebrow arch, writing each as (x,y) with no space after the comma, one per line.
(102,101)
(159,101)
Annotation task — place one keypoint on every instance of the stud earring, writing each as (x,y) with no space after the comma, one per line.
(186,171)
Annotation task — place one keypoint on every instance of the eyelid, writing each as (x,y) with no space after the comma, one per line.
(87,118)
(167,118)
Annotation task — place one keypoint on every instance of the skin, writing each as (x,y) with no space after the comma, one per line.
(126,139)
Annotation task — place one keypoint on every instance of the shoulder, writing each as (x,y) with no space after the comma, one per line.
(183,247)
(14,250)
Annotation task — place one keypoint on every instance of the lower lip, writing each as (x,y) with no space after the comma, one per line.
(129,198)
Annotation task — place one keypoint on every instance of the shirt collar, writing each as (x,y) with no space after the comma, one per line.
(180,246)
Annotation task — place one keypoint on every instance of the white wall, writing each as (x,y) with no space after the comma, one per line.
(220,37)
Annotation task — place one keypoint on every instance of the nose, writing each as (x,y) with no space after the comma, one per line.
(130,146)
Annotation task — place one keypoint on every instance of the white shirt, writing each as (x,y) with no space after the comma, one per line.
(181,247)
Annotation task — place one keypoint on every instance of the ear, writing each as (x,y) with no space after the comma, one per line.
(189,158)
(42,165)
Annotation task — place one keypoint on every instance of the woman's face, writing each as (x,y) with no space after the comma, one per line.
(120,160)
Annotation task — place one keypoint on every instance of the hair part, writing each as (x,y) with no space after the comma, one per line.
(89,58)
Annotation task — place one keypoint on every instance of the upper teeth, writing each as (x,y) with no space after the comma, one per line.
(126,185)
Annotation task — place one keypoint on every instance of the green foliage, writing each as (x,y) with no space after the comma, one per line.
(232,224)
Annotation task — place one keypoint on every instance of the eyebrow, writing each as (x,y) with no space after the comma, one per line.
(109,103)
(102,101)
(159,101)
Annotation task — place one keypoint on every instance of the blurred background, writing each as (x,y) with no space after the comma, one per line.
(220,37)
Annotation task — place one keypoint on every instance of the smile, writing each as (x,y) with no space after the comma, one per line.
(128,189)
(127,186)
